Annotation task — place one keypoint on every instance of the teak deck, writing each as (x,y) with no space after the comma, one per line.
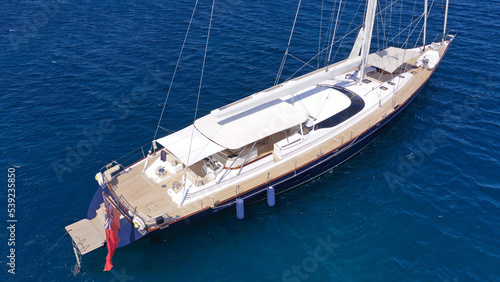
(88,235)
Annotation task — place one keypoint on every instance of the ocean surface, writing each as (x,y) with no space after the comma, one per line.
(83,83)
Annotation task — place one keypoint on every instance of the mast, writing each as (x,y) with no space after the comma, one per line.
(425,20)
(368,28)
(445,19)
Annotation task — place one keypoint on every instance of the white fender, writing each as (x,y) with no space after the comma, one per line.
(100,178)
(139,223)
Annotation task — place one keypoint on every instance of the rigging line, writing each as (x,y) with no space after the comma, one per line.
(385,16)
(322,105)
(340,44)
(400,20)
(375,24)
(381,26)
(412,15)
(382,18)
(341,40)
(304,105)
(410,33)
(324,49)
(416,25)
(330,28)
(305,63)
(288,46)
(387,7)
(419,34)
(422,16)
(175,70)
(184,190)
(323,35)
(335,31)
(383,22)
(320,29)
(417,19)
(430,8)
(350,24)
(389,22)
(422,30)
(123,163)
(167,130)
(201,81)
(391,30)
(129,153)
(418,38)
(45,254)
(352,21)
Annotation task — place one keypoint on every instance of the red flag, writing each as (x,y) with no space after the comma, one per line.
(112,224)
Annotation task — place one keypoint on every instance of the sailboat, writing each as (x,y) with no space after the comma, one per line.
(262,145)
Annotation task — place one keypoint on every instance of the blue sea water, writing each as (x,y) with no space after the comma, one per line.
(83,83)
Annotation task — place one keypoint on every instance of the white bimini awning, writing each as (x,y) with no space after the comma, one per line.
(179,144)
(248,126)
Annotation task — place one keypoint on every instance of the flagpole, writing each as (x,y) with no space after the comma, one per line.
(110,199)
